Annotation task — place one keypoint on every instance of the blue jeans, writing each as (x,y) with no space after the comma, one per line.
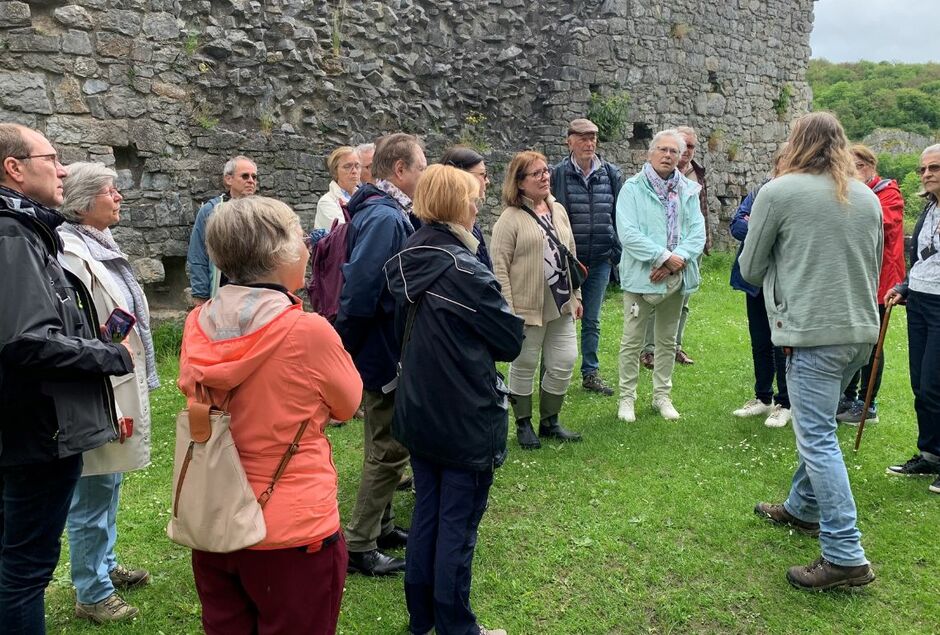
(592,297)
(449,504)
(92,529)
(820,491)
(34,501)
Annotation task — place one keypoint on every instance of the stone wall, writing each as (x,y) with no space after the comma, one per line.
(167,90)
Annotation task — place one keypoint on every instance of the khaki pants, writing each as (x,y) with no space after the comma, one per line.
(634,328)
(384,461)
(557,344)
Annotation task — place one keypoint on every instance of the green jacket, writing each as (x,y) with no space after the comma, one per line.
(818,260)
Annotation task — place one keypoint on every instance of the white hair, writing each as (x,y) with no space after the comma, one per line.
(669,132)
(365,147)
(229,168)
(83,183)
(935,148)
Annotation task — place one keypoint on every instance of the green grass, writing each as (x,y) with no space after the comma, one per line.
(642,528)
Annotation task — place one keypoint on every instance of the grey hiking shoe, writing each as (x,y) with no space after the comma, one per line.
(592,382)
(821,575)
(853,416)
(778,514)
(124,578)
(111,609)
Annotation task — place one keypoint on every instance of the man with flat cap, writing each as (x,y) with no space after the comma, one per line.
(588,187)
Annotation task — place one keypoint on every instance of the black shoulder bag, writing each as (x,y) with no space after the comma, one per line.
(576,269)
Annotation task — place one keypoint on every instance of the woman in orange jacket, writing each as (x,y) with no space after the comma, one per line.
(278,366)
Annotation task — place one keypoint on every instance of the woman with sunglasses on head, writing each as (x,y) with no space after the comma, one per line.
(469,160)
(92,205)
(528,247)
(921,291)
(345,169)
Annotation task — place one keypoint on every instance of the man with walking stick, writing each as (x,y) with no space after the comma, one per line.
(814,242)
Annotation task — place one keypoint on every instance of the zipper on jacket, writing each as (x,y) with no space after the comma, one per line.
(179,483)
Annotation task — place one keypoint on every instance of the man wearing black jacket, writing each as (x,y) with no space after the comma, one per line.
(55,395)
(588,186)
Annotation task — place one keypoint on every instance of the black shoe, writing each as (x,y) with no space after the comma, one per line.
(916,466)
(935,486)
(592,382)
(397,538)
(845,403)
(525,435)
(551,429)
(374,563)
(406,483)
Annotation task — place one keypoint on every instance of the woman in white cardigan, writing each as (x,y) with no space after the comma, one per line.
(345,168)
(92,205)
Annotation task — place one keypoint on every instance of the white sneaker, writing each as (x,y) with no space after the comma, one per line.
(666,409)
(753,408)
(778,417)
(626,411)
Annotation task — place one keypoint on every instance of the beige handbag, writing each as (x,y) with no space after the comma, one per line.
(214,506)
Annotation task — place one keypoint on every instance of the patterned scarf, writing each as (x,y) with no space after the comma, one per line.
(667,190)
(403,199)
(104,249)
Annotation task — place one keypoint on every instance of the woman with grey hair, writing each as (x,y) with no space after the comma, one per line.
(92,205)
(662,232)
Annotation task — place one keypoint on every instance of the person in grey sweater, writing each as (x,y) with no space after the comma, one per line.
(814,242)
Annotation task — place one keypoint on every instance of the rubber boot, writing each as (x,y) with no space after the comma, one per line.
(549,407)
(522,410)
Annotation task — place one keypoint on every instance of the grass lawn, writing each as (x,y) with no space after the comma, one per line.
(642,528)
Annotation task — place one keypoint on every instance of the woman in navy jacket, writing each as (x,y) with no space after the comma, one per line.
(451,409)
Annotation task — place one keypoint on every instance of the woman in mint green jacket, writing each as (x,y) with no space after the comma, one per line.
(662,232)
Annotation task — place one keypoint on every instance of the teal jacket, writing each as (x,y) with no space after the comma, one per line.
(817,259)
(641,228)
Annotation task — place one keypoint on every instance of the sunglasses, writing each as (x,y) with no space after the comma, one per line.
(933,167)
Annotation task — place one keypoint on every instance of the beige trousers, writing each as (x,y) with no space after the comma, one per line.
(557,344)
(636,314)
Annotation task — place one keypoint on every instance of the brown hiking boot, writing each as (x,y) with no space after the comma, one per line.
(682,358)
(124,578)
(647,360)
(821,575)
(778,514)
(110,609)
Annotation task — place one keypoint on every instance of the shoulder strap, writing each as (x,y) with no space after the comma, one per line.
(549,231)
(282,465)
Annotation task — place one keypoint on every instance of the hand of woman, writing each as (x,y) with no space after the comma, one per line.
(578,310)
(893,297)
(660,273)
(674,263)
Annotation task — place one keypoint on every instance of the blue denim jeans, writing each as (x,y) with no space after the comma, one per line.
(592,297)
(820,491)
(92,529)
(449,504)
(34,501)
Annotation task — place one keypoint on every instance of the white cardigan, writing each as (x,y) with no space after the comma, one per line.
(131,394)
(328,208)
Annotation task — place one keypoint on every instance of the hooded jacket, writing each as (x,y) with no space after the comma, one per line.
(55,397)
(377,231)
(277,366)
(892,215)
(450,405)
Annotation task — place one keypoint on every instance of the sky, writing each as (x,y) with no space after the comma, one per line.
(894,31)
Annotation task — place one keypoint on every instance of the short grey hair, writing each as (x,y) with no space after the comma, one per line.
(249,238)
(83,183)
(229,168)
(669,132)
(934,149)
(688,131)
(365,147)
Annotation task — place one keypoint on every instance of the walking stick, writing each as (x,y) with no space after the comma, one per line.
(879,352)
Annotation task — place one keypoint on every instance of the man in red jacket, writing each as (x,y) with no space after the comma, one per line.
(892,272)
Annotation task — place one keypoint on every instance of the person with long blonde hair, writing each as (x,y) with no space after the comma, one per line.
(814,242)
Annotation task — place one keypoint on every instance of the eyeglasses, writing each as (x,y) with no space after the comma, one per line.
(667,150)
(538,174)
(112,192)
(248,176)
(933,167)
(52,157)
(351,167)
(483,175)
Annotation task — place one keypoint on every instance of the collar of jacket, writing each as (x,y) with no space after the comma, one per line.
(43,220)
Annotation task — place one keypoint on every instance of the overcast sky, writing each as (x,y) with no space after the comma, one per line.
(896,30)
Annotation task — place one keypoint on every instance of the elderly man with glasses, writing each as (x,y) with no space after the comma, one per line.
(57,399)
(240,177)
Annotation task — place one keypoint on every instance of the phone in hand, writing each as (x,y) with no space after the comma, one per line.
(119,325)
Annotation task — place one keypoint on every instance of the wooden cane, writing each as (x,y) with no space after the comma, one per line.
(879,351)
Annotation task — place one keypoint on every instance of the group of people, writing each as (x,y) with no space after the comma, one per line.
(426,309)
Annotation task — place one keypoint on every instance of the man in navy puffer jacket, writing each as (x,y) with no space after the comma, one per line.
(588,186)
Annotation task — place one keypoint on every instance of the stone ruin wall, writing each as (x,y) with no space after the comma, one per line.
(166,90)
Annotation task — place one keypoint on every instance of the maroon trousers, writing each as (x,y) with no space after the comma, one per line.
(278,592)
